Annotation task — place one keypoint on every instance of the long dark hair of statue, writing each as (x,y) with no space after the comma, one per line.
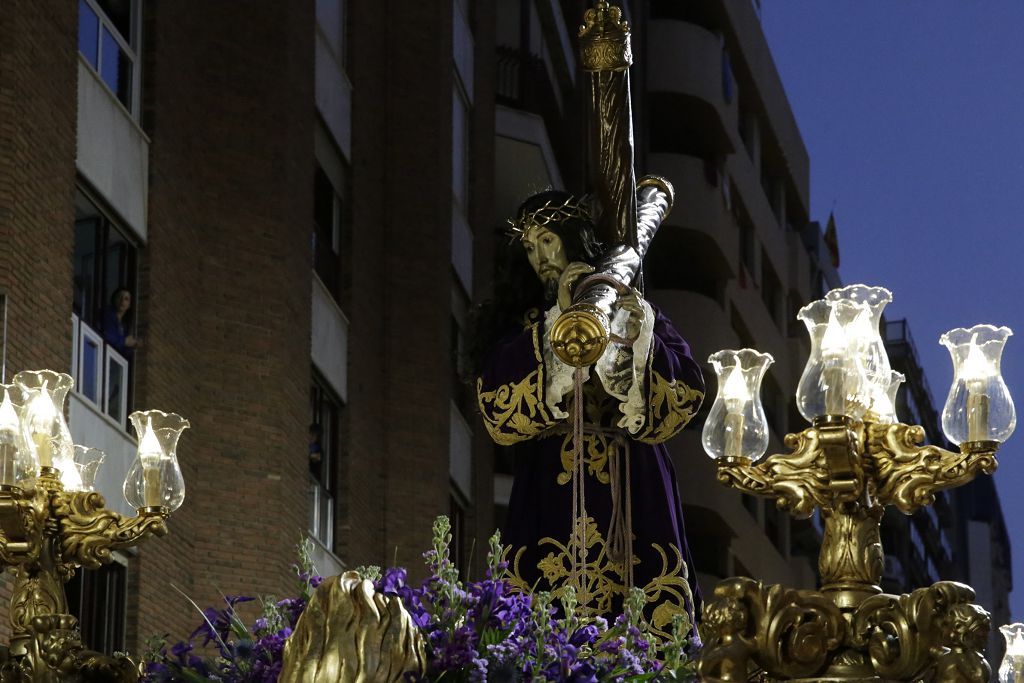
(517,288)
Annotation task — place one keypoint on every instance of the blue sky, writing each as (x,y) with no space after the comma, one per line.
(913,117)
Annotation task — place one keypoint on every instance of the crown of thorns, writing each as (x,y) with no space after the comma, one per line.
(551,212)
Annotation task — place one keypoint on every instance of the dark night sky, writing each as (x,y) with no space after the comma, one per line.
(913,117)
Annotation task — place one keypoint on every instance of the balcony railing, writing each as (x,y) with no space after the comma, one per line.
(101,373)
(524,83)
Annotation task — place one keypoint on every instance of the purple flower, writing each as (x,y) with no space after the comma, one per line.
(584,635)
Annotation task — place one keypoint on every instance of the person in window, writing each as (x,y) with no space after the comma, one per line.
(316,451)
(641,393)
(117,323)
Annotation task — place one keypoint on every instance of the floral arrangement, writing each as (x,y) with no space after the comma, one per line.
(474,631)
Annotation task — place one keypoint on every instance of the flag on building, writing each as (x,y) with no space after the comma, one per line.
(832,239)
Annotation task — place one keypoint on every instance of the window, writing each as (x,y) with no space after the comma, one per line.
(748,131)
(108,39)
(330,15)
(747,252)
(457,516)
(460,149)
(771,289)
(103,310)
(98,598)
(324,436)
(328,220)
(462,394)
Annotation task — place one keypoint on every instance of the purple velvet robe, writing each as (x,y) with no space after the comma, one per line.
(538,533)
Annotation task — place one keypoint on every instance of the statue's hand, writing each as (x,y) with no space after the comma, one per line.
(567,281)
(633,303)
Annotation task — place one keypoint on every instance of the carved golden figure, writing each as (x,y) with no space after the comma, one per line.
(350,634)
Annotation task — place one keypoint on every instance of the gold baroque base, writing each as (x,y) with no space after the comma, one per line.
(933,633)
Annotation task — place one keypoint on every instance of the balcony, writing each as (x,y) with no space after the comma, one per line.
(722,510)
(688,62)
(700,213)
(523,83)
(714,331)
(112,150)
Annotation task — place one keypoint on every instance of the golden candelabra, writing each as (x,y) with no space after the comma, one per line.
(850,466)
(52,522)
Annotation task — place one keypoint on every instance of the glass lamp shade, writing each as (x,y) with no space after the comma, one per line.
(979,407)
(883,402)
(834,381)
(865,336)
(44,428)
(154,479)
(736,426)
(17,465)
(1011,670)
(87,465)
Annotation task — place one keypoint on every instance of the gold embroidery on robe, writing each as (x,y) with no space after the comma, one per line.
(669,591)
(596,449)
(670,405)
(515,411)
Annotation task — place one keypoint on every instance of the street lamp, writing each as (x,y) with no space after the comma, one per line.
(52,521)
(854,460)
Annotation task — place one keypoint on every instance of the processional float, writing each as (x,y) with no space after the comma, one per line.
(853,461)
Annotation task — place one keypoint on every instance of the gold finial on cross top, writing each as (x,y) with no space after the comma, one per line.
(604,39)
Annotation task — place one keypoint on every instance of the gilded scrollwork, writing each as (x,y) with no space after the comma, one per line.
(59,643)
(851,551)
(20,519)
(96,666)
(89,531)
(35,594)
(965,630)
(904,635)
(798,480)
(851,471)
(908,474)
(784,632)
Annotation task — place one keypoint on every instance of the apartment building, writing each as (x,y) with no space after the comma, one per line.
(285,192)
(303,200)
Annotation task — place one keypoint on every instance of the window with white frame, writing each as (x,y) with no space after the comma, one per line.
(324,450)
(103,310)
(108,38)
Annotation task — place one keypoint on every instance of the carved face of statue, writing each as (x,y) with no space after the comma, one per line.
(546,253)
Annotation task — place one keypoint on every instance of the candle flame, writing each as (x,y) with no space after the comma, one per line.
(735,387)
(150,451)
(41,410)
(976,367)
(833,342)
(8,416)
